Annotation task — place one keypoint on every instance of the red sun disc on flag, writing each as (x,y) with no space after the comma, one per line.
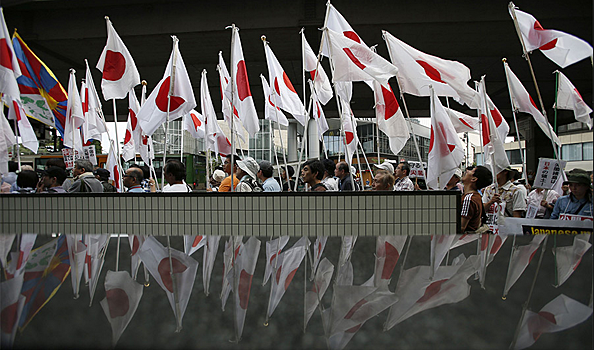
(118,302)
(550,45)
(133,119)
(431,290)
(355,60)
(164,271)
(390,102)
(128,136)
(392,257)
(352,35)
(537,26)
(349,137)
(5,56)
(243,86)
(115,66)
(161,100)
(288,82)
(431,71)
(195,120)
(276,87)
(243,289)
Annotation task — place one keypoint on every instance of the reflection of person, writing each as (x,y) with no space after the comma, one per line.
(537,199)
(472,204)
(579,201)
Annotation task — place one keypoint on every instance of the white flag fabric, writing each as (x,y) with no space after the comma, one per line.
(318,114)
(96,249)
(115,169)
(77,251)
(16,265)
(349,126)
(353,61)
(318,75)
(387,253)
(11,308)
(286,96)
(93,125)
(232,247)
(208,259)
(119,70)
(346,249)
(462,122)
(74,116)
(5,245)
(153,112)
(318,249)
(271,110)
(273,249)
(288,263)
(142,142)
(390,119)
(569,98)
(136,242)
(464,239)
(224,79)
(245,265)
(494,152)
(215,140)
(193,243)
(179,269)
(445,148)
(569,258)
(418,70)
(417,291)
(122,296)
(26,131)
(559,314)
(321,282)
(194,123)
(9,64)
(562,48)
(129,148)
(523,102)
(520,259)
(440,246)
(7,140)
(239,93)
(490,245)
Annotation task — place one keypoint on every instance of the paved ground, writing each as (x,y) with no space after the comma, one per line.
(482,321)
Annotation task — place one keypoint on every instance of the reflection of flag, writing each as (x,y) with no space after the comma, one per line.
(193,243)
(210,253)
(387,253)
(321,283)
(568,258)
(520,259)
(135,244)
(45,271)
(273,250)
(11,307)
(5,245)
(245,264)
(42,95)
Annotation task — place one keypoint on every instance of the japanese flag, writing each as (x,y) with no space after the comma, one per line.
(122,296)
(569,98)
(9,65)
(349,126)
(318,114)
(193,243)
(273,250)
(215,140)
(129,149)
(5,246)
(135,244)
(322,85)
(387,253)
(271,110)
(569,258)
(462,122)
(321,282)
(119,70)
(520,259)
(93,125)
(390,119)
(115,169)
(96,248)
(245,265)
(318,249)
(11,308)
(74,116)
(77,252)
(194,123)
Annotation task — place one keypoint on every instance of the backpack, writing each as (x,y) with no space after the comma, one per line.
(255,186)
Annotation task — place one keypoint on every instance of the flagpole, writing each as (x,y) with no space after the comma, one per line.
(399,275)
(16,136)
(181,148)
(511,101)
(232,82)
(169,94)
(365,157)
(511,6)
(175,291)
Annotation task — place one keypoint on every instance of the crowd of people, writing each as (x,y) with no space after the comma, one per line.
(483,194)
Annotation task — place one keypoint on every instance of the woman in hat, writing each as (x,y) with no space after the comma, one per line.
(579,201)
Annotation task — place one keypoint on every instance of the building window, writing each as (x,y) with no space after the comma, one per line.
(572,152)
(514,156)
(587,151)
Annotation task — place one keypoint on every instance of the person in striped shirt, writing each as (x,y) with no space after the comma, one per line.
(472,204)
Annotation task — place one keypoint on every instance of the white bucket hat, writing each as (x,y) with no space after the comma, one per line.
(386,166)
(249,165)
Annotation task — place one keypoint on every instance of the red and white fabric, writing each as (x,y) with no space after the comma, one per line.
(318,114)
(136,242)
(559,314)
(245,265)
(96,248)
(193,243)
(349,127)
(74,117)
(271,111)
(93,126)
(318,250)
(77,251)
(122,296)
(464,239)
(18,260)
(177,97)
(239,93)
(569,258)
(440,246)
(11,309)
(562,48)
(194,124)
(119,70)
(418,70)
(519,261)
(568,97)
(387,253)
(335,21)
(445,148)
(490,245)
(273,249)
(286,96)
(232,247)
(224,79)
(493,134)
(5,246)
(211,247)
(129,148)
(215,139)
(321,281)
(169,266)
(523,102)
(322,85)
(390,119)
(7,140)
(9,64)
(462,122)
(115,169)
(26,132)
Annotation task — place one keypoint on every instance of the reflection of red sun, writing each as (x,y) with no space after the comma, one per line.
(118,302)
(245,284)
(135,245)
(164,271)
(197,240)
(392,256)
(115,66)
(431,290)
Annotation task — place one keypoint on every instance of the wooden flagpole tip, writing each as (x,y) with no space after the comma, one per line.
(263,37)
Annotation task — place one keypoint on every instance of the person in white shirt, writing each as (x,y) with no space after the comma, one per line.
(329,180)
(403,183)
(537,198)
(175,173)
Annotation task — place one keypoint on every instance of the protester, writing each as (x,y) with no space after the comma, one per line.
(343,173)
(269,184)
(59,162)
(383,181)
(52,179)
(146,176)
(312,174)
(132,179)
(521,183)
(26,182)
(386,166)
(288,183)
(579,201)
(329,180)
(504,190)
(454,183)
(215,180)
(246,171)
(472,204)
(103,176)
(84,180)
(565,188)
(544,205)
(175,173)
(226,183)
(403,182)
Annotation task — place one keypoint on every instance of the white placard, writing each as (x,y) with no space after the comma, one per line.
(549,171)
(70,155)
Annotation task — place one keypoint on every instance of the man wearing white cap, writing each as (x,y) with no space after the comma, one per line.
(217,177)
(385,167)
(246,172)
(454,183)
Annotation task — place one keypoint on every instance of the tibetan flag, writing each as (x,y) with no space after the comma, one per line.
(43,97)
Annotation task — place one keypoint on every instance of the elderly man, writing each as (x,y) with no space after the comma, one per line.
(312,174)
(343,173)
(133,180)
(246,171)
(269,184)
(504,190)
(383,181)
(84,179)
(579,201)
(51,180)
